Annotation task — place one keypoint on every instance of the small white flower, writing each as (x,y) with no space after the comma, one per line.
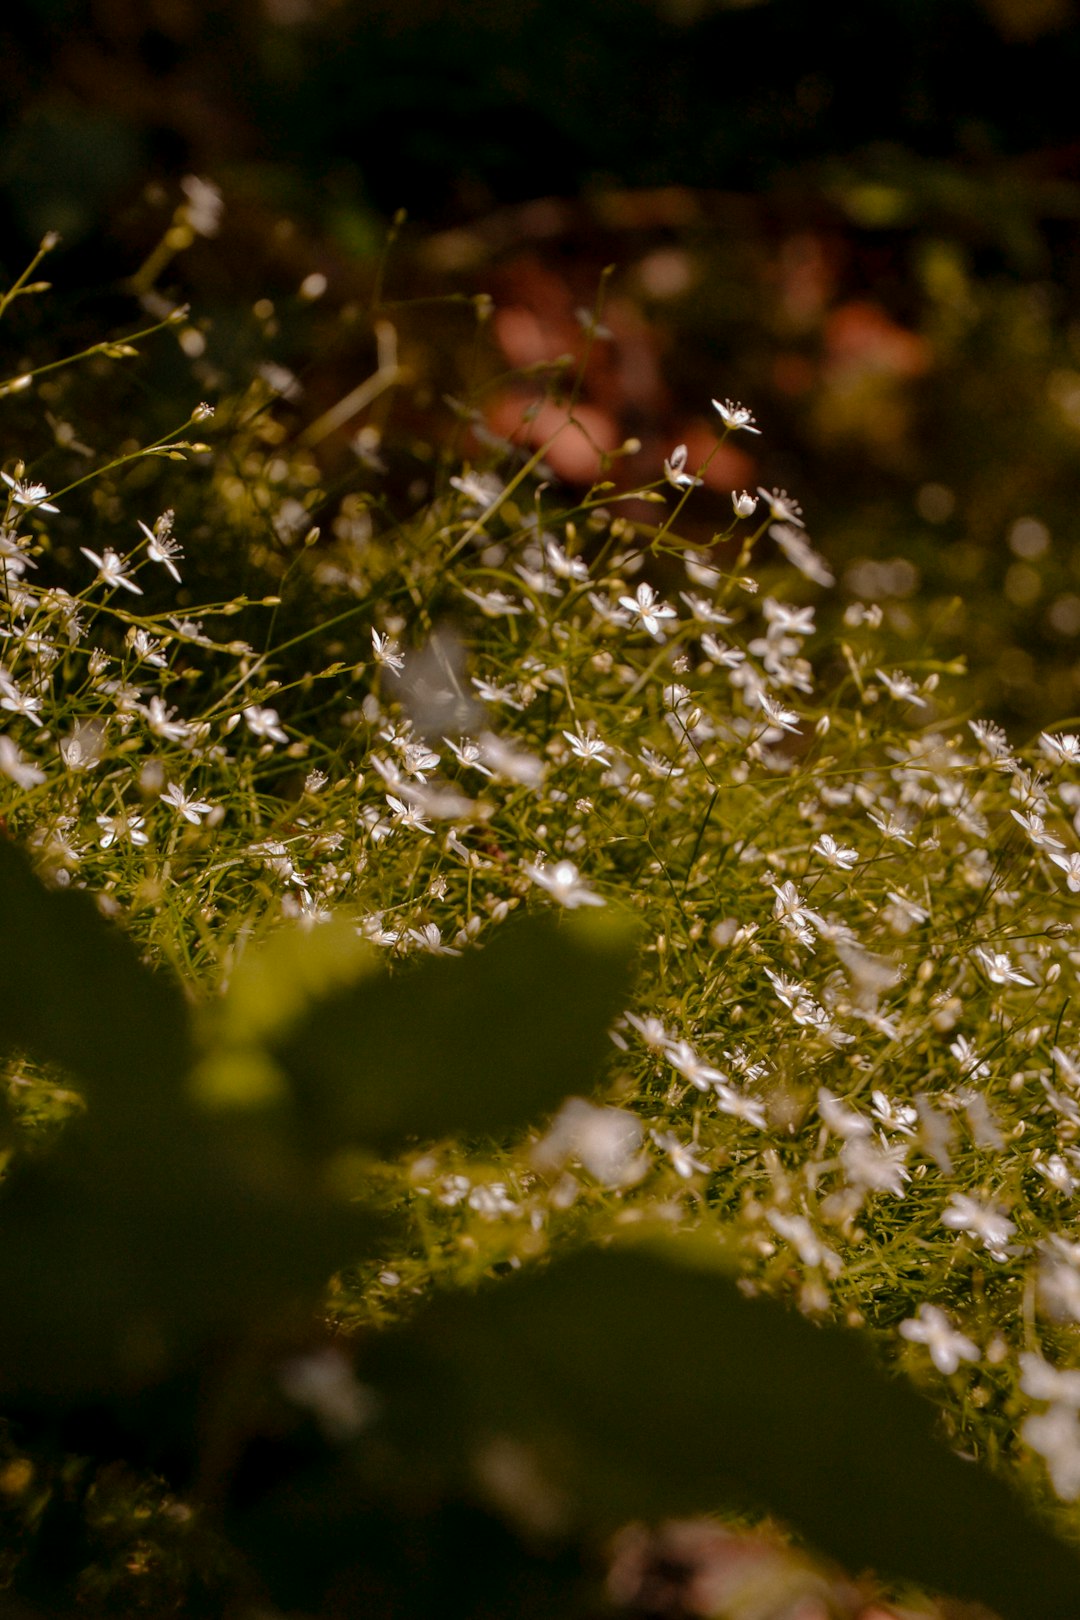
(1055,1435)
(834,854)
(481,489)
(745,505)
(191,809)
(649,609)
(781,506)
(685,1061)
(739,1106)
(17,769)
(110,567)
(947,1347)
(1063,749)
(901,687)
(429,938)
(704,611)
(1035,828)
(563,882)
(202,205)
(407,815)
(160,545)
(998,968)
(27,494)
(736,418)
(776,714)
(264,723)
(990,737)
(675,469)
(893,1116)
(1070,865)
(386,652)
(984,1221)
(587,747)
(796,1230)
(891,827)
(683,1161)
(122,825)
(841,1121)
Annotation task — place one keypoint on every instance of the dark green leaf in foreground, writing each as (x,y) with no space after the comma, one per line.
(639,1386)
(483,1043)
(76,994)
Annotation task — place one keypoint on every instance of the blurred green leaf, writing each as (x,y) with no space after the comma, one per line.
(635,1386)
(76,994)
(481,1044)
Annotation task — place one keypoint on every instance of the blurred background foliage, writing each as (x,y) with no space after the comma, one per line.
(859,219)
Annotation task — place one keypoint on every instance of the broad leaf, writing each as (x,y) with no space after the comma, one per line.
(75,993)
(637,1386)
(483,1043)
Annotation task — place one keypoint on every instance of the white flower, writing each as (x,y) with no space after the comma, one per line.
(735,418)
(161,722)
(1045,1382)
(264,723)
(685,1061)
(1070,865)
(482,489)
(801,554)
(998,968)
(27,494)
(781,506)
(192,810)
(122,825)
(1034,827)
(605,1141)
(984,1221)
(718,653)
(407,815)
(873,1168)
(650,1029)
(891,827)
(841,1121)
(894,1116)
(947,1347)
(703,610)
(646,606)
(386,652)
(675,470)
(683,1161)
(203,206)
(990,737)
(160,545)
(587,747)
(562,881)
(429,938)
(796,1230)
(834,854)
(901,687)
(1063,749)
(494,604)
(110,567)
(1055,1435)
(739,1106)
(968,1058)
(745,505)
(776,714)
(13,766)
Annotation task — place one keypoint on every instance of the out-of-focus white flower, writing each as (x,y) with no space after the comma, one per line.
(563,882)
(948,1348)
(744,504)
(983,1221)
